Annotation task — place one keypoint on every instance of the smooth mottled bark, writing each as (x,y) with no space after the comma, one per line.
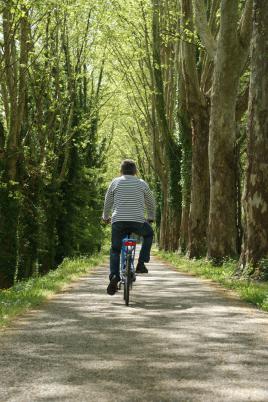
(222,219)
(230,59)
(198,217)
(255,250)
(164,229)
(185,137)
(161,125)
(164,84)
(198,109)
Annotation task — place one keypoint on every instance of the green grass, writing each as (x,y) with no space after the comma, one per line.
(30,293)
(250,291)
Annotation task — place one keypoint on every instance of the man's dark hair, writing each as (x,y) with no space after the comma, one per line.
(128,166)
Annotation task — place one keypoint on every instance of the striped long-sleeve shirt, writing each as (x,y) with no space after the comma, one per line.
(128,197)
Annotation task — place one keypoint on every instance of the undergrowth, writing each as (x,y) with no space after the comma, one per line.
(30,293)
(248,290)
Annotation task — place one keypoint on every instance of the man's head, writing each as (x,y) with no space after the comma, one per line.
(128,166)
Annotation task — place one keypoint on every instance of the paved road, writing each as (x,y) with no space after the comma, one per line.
(180,340)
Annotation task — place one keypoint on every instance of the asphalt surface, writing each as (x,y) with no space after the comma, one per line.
(181,339)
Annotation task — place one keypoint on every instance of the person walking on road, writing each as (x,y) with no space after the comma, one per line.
(128,198)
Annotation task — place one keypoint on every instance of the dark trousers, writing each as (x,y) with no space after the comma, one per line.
(119,231)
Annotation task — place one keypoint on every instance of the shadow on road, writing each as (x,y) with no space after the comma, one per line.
(180,340)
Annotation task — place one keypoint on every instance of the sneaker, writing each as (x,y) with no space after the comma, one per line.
(141,268)
(112,287)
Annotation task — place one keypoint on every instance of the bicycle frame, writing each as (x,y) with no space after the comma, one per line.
(128,248)
(127,265)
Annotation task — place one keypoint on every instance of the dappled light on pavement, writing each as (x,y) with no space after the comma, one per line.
(180,339)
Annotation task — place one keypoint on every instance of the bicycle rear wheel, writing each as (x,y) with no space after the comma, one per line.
(127,281)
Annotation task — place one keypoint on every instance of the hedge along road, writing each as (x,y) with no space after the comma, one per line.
(180,340)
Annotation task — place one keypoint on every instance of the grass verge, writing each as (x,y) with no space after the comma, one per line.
(30,293)
(250,291)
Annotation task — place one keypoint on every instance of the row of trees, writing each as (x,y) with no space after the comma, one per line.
(51,94)
(197,97)
(175,83)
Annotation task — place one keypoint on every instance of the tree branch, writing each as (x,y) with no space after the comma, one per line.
(245,25)
(203,28)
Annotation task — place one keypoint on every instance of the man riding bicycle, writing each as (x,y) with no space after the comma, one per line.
(128,197)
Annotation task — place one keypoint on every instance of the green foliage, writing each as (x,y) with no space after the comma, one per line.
(185,140)
(90,101)
(9,209)
(175,175)
(52,209)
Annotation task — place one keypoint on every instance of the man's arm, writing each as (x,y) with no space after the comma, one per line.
(108,203)
(149,203)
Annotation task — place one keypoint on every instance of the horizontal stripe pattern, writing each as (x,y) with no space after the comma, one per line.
(128,197)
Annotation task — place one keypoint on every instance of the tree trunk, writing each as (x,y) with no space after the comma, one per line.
(163,241)
(198,109)
(184,233)
(254,257)
(9,209)
(198,218)
(161,98)
(15,73)
(185,138)
(175,224)
(52,208)
(222,162)
(28,228)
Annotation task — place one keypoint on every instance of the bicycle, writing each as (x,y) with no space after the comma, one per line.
(127,269)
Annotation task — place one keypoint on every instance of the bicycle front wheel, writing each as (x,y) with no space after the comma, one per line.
(127,281)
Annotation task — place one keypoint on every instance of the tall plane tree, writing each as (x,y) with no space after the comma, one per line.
(231,56)
(14,61)
(197,82)
(255,251)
